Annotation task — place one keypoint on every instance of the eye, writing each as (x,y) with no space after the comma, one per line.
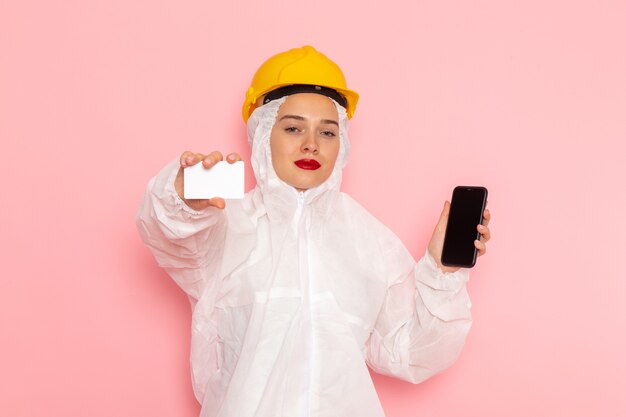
(328,133)
(291,129)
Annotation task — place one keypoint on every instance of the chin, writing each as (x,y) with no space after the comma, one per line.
(305,185)
(304,182)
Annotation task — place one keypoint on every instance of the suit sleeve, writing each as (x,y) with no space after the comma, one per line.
(424,319)
(187,243)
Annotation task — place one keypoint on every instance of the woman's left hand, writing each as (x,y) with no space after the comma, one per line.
(436,241)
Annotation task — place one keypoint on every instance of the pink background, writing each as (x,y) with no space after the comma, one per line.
(527,98)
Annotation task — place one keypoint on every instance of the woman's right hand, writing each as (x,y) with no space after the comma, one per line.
(188,159)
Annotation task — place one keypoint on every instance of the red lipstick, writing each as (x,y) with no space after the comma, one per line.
(310,164)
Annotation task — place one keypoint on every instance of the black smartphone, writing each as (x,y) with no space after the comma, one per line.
(466,212)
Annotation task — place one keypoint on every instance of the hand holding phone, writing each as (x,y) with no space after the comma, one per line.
(466,213)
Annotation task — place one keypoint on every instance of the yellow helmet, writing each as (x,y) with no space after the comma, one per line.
(299,70)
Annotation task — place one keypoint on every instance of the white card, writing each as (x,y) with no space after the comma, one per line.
(221,180)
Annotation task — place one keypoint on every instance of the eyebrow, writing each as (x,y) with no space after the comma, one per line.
(293,116)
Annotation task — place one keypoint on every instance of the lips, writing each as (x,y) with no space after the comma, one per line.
(310,164)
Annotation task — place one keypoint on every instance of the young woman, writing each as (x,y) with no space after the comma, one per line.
(297,287)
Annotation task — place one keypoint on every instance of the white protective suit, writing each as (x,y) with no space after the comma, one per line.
(292,293)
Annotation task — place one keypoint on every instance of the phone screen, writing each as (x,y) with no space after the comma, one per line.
(466,212)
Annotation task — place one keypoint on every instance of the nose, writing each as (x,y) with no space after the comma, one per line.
(310,145)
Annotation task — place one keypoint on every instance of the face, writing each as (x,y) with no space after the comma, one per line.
(305,140)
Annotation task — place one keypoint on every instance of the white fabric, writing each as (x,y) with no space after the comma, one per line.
(293,292)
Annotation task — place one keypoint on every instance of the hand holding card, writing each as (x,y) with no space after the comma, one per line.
(223,180)
(191,186)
